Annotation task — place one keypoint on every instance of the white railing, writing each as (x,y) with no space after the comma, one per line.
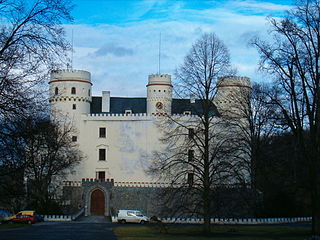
(57,218)
(231,220)
(237,220)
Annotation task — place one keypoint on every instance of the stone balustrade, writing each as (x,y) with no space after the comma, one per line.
(57,218)
(234,221)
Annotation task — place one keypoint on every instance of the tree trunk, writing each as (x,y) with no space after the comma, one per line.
(207,225)
(315,214)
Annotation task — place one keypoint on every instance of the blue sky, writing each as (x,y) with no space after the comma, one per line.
(117,41)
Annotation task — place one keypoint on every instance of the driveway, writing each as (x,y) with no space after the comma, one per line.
(60,231)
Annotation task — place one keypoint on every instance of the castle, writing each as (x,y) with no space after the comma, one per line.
(116,134)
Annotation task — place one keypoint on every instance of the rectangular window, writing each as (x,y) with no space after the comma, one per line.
(74,138)
(190,155)
(190,179)
(190,133)
(101,175)
(102,154)
(74,106)
(102,132)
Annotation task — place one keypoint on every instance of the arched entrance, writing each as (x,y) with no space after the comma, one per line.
(97,206)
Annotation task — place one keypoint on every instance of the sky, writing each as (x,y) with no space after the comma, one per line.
(118,40)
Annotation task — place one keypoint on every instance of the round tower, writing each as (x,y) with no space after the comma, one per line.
(159,94)
(70,92)
(232,94)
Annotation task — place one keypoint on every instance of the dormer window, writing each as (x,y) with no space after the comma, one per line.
(127,112)
(73,90)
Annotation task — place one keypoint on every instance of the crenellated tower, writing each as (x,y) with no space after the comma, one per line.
(70,93)
(232,95)
(159,94)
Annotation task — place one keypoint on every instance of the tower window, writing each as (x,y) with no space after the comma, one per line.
(190,155)
(73,90)
(190,179)
(102,154)
(56,91)
(190,133)
(101,175)
(102,132)
(89,92)
(74,106)
(74,138)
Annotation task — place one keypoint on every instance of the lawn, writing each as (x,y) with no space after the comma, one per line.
(176,232)
(5,226)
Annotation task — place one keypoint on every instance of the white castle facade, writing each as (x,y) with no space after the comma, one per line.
(118,135)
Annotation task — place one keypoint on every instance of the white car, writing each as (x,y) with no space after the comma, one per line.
(132,216)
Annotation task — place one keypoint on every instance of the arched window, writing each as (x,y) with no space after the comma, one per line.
(73,90)
(56,91)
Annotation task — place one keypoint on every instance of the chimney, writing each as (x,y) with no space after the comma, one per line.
(105,101)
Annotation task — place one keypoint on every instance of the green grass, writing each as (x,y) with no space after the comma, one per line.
(17,225)
(176,232)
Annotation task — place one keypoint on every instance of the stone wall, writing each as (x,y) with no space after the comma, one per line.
(229,202)
(72,200)
(135,198)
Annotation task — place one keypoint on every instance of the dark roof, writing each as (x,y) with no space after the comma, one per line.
(120,104)
(139,105)
(96,105)
(179,106)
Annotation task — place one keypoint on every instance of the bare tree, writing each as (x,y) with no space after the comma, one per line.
(293,58)
(44,152)
(254,119)
(198,155)
(31,44)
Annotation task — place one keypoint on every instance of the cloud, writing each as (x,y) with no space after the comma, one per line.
(111,48)
(261,6)
(123,63)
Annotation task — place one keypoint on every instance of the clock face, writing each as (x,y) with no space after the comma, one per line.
(159,105)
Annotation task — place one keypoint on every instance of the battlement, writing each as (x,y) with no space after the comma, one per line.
(91,180)
(234,82)
(132,116)
(159,79)
(68,74)
(138,184)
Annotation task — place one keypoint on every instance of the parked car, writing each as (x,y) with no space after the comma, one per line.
(23,219)
(132,216)
(24,212)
